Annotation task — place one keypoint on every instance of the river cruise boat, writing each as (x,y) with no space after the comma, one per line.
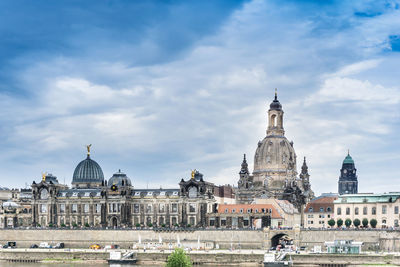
(276,260)
(116,257)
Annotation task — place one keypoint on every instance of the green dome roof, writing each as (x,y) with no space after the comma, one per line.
(348,159)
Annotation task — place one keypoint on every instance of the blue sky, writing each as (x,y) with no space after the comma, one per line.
(163,87)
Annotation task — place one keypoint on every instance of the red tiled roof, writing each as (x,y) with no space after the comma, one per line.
(317,204)
(235,208)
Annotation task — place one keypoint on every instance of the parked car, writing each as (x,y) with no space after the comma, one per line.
(45,245)
(60,245)
(95,246)
(10,244)
(34,246)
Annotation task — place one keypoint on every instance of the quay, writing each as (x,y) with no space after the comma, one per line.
(212,257)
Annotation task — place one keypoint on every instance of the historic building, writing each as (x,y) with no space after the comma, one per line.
(275,171)
(319,211)
(348,183)
(95,202)
(384,208)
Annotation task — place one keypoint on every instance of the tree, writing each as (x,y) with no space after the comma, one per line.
(373,223)
(87,225)
(356,222)
(178,258)
(365,222)
(331,222)
(347,222)
(339,222)
(138,225)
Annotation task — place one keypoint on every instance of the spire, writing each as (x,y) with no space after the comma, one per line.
(276,94)
(244,169)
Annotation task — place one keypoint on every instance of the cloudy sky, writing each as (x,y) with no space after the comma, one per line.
(163,87)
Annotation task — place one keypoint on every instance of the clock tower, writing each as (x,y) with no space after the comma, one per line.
(348,183)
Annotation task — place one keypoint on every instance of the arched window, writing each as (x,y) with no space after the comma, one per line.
(356,211)
(273,120)
(339,211)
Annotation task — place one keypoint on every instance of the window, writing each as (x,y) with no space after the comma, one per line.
(396,209)
(373,210)
(98,208)
(356,211)
(233,210)
(161,220)
(74,208)
(396,223)
(174,207)
(241,210)
(226,210)
(365,210)
(212,221)
(347,211)
(310,210)
(223,221)
(174,221)
(85,208)
(192,221)
(256,210)
(62,208)
(328,209)
(384,209)
(263,210)
(192,207)
(43,208)
(248,210)
(148,208)
(136,208)
(246,222)
(321,209)
(339,211)
(161,207)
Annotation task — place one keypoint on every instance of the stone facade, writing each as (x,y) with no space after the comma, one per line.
(319,211)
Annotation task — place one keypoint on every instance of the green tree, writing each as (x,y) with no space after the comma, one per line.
(347,222)
(356,222)
(138,225)
(331,222)
(339,222)
(365,222)
(87,225)
(178,258)
(373,223)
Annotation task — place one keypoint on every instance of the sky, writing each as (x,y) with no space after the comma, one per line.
(160,88)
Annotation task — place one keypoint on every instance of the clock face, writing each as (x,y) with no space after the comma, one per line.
(44,194)
(114,187)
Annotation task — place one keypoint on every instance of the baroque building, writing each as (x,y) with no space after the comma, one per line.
(95,202)
(275,172)
(348,183)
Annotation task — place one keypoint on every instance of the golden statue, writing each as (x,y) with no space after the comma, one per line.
(88,149)
(193,173)
(44,176)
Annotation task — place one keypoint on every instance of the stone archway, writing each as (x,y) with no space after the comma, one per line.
(281,239)
(114,222)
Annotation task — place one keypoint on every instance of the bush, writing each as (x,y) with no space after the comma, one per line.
(331,222)
(178,258)
(339,222)
(188,225)
(138,225)
(38,225)
(51,225)
(149,224)
(87,225)
(347,222)
(176,225)
(163,225)
(62,225)
(373,223)
(74,225)
(365,222)
(356,222)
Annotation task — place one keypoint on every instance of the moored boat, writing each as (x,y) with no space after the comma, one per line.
(116,257)
(276,260)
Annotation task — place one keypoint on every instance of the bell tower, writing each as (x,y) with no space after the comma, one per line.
(348,182)
(275,118)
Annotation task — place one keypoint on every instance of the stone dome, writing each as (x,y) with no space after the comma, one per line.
(88,171)
(119,179)
(274,153)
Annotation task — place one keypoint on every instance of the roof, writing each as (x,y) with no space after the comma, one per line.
(348,160)
(88,171)
(369,198)
(155,192)
(236,208)
(322,202)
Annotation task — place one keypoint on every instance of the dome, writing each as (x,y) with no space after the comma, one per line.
(275,105)
(119,179)
(88,171)
(274,153)
(348,160)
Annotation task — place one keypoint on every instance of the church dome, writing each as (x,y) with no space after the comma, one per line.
(119,179)
(275,105)
(88,171)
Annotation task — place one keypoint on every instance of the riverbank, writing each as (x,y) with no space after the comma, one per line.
(212,257)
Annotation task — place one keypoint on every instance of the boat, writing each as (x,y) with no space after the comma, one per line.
(276,260)
(116,257)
